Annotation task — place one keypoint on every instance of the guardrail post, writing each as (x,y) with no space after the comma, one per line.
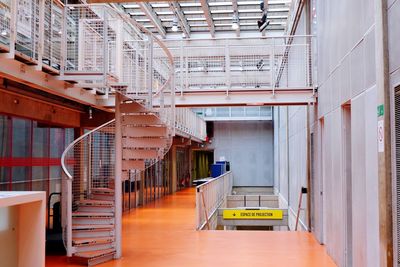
(181,66)
(41,35)
(272,70)
(150,72)
(69,217)
(13,27)
(227,70)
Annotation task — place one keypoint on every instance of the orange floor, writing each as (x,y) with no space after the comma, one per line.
(162,235)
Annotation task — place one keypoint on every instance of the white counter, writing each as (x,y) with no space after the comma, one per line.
(22,228)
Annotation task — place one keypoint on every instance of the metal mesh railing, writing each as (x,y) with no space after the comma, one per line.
(27,21)
(5,17)
(53,30)
(88,163)
(273,63)
(190,123)
(209,197)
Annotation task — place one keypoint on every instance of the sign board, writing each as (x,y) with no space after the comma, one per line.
(381,142)
(243,214)
(381,111)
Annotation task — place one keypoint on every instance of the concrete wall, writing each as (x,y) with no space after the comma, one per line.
(291,150)
(346,75)
(248,145)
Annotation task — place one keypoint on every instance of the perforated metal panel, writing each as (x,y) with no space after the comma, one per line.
(397,182)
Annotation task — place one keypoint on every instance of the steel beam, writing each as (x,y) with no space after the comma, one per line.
(22,73)
(176,8)
(255,97)
(150,14)
(265,11)
(207,14)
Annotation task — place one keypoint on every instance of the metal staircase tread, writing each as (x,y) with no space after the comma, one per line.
(82,241)
(103,189)
(95,202)
(94,254)
(92,214)
(92,226)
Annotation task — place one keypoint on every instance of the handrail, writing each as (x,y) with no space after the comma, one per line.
(213,193)
(131,21)
(71,145)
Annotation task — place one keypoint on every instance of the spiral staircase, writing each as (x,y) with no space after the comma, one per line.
(96,163)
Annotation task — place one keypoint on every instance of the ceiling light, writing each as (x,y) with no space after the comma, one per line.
(235,21)
(175,25)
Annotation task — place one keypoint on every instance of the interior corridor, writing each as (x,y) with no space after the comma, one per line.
(162,234)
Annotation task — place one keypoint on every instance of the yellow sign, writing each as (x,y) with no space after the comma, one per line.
(252,214)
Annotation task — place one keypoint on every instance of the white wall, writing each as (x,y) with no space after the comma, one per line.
(248,145)
(346,75)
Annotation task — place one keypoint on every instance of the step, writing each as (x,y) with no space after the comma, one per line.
(108,191)
(94,247)
(95,257)
(144,131)
(79,227)
(93,220)
(96,209)
(93,214)
(133,165)
(139,154)
(133,107)
(144,142)
(102,196)
(141,119)
(95,203)
(85,241)
(90,233)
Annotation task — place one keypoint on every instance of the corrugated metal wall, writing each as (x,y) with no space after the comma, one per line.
(394,69)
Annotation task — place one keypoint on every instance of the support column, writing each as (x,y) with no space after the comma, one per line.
(384,132)
(174,170)
(118,174)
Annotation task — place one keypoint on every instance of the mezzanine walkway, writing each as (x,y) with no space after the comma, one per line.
(162,234)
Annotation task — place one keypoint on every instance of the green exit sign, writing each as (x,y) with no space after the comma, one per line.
(380,110)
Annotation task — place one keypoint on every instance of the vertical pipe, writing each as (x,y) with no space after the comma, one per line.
(118,173)
(384,155)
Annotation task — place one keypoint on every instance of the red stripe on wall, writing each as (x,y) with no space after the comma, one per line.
(15,162)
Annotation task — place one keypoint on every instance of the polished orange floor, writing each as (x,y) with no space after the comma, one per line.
(162,235)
